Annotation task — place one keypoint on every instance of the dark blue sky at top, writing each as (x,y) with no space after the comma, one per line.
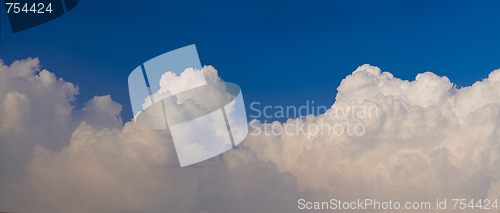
(279,52)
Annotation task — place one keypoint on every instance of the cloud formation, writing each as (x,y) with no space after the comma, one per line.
(36,108)
(430,140)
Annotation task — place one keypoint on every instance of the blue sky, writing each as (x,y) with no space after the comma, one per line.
(279,52)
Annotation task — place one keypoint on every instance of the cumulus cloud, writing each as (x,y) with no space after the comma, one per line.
(429,140)
(196,114)
(36,108)
(182,102)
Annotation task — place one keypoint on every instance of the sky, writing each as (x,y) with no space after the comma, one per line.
(280,53)
(67,142)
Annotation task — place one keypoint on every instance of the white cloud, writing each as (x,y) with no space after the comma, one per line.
(36,108)
(427,143)
(430,140)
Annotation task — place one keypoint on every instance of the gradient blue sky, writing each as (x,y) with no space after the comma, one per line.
(279,52)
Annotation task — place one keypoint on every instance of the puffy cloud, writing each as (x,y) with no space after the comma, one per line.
(103,167)
(425,143)
(177,93)
(36,108)
(428,140)
(194,113)
(101,112)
